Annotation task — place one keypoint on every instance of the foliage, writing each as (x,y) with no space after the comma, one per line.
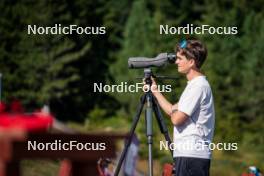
(60,70)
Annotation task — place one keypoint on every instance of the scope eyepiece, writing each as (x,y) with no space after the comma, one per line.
(171,57)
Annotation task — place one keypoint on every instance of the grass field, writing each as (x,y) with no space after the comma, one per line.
(223,163)
(228,164)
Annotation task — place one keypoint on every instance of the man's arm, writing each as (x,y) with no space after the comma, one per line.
(163,102)
(177,117)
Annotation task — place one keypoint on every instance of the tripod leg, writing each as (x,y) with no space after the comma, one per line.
(149,131)
(131,133)
(162,125)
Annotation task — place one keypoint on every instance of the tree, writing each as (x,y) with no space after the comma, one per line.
(53,69)
(233,66)
(138,41)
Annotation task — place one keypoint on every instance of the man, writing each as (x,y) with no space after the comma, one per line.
(193,116)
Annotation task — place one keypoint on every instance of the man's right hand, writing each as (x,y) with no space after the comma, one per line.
(154,87)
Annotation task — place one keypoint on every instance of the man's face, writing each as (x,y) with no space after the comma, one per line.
(184,65)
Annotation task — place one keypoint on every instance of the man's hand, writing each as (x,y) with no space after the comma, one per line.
(154,87)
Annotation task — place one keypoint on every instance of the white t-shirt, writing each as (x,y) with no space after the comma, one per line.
(191,138)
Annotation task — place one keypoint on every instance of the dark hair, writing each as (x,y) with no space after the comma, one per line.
(194,49)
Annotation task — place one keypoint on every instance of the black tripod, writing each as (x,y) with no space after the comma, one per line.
(151,104)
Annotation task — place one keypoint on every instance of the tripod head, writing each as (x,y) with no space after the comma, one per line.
(147,76)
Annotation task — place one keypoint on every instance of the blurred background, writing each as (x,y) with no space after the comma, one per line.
(60,70)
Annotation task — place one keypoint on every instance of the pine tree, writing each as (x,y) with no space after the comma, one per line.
(55,69)
(138,41)
(232,65)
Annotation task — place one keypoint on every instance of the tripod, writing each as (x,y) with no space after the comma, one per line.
(151,105)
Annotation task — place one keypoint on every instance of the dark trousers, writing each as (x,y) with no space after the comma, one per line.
(186,166)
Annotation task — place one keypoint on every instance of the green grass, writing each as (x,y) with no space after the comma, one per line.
(223,163)
(235,163)
(39,168)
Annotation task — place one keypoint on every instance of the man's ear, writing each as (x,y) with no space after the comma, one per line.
(192,62)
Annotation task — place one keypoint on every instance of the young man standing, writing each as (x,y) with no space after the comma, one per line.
(193,116)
